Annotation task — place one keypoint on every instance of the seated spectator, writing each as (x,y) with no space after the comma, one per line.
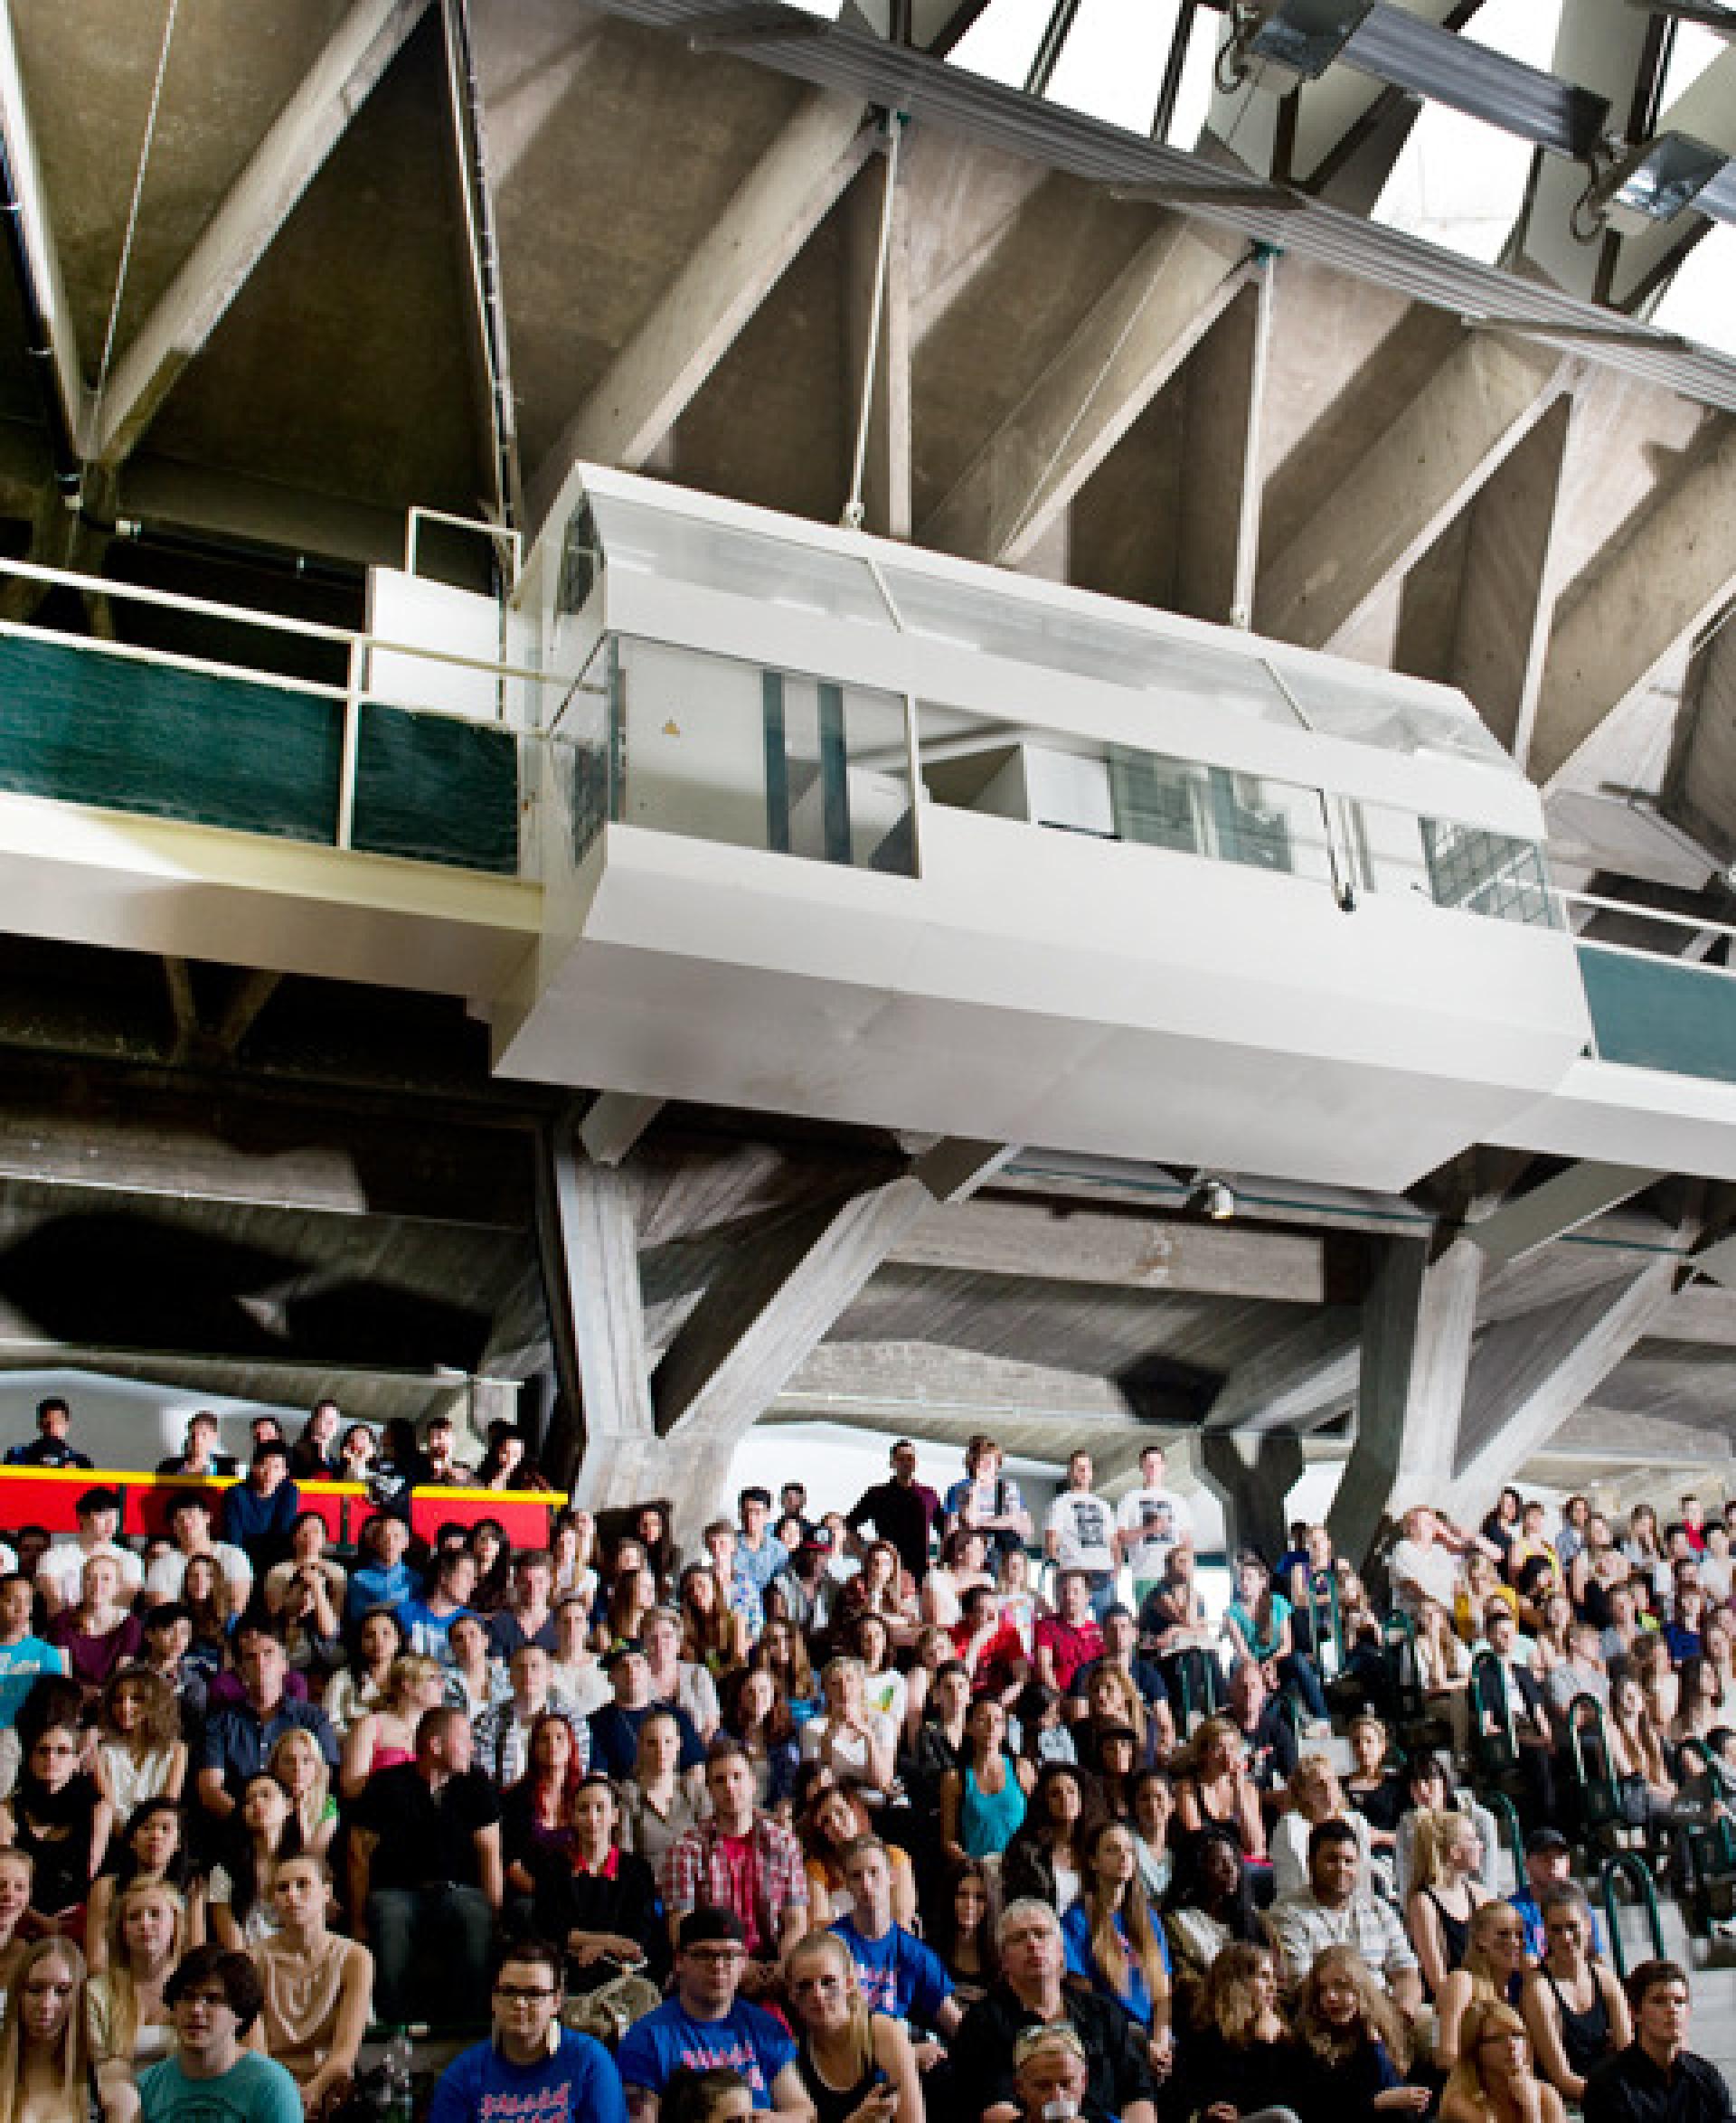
(1548,1858)
(1151,1808)
(309,1590)
(140,1754)
(1338,1908)
(16,1869)
(1111,1943)
(855,1742)
(359,1687)
(1579,1671)
(1657,2075)
(1210,1905)
(381,1578)
(590,1895)
(705,2025)
(425,1871)
(317,1987)
(1239,2062)
(22,1657)
(1269,1744)
(260,1513)
(1046,1859)
(1051,2075)
(1492,1972)
(503,1730)
(240,1736)
(687,1683)
(1214,1789)
(1492,2079)
(494,1556)
(834,1820)
(1429,1788)
(895,1972)
(215,1996)
(166,1652)
(1574,2009)
(527,1617)
(961,1925)
(1069,1639)
(1637,1755)
(58,1816)
(151,1850)
(1315,1796)
(442,1467)
(1425,1563)
(507,1464)
(853,2060)
(190,1535)
(315,1457)
(661,1800)
(297,1764)
(783,1652)
(741,1861)
(1373,1787)
(983,1802)
(714,1635)
(1528,1720)
(130,2022)
(1256,1628)
(531,2065)
(614,1731)
(60,1575)
(97,1633)
(258,1836)
(45,2067)
(358,1455)
(937,1746)
(1121,1654)
(580,1679)
(989,1647)
(963,1562)
(756,1715)
(1030,1991)
(1353,2046)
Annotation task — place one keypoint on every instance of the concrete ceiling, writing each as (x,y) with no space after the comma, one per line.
(1072,383)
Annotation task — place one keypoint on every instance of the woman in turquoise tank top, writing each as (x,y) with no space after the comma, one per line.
(982,1802)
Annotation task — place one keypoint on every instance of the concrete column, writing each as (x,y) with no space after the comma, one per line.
(1253,1474)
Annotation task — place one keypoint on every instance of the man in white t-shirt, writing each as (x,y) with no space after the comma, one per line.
(1425,1563)
(1081,1535)
(1151,1519)
(190,1531)
(60,1575)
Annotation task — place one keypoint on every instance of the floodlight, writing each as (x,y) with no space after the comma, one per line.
(1661,178)
(1212,1198)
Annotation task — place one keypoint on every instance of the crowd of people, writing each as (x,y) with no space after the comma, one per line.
(915,1809)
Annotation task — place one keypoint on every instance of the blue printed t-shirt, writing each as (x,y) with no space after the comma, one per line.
(746,2040)
(254,2089)
(896,1973)
(577,2084)
(20,1664)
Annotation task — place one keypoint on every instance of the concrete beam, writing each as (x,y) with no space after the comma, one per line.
(660,370)
(1297,1382)
(1644,599)
(1531,1374)
(614,1121)
(1506,594)
(1719,1261)
(37,232)
(756,1324)
(243,228)
(1408,486)
(1123,353)
(886,460)
(1252,1477)
(890,1383)
(1063,1243)
(1222,473)
(1418,1320)
(1572,1199)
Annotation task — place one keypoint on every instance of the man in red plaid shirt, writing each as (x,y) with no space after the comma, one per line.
(742,1861)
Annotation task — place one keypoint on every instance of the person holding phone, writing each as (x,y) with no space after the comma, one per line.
(856,2066)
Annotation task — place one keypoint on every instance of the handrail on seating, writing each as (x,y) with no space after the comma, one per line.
(1588,1739)
(1494,1738)
(1506,1819)
(1627,1864)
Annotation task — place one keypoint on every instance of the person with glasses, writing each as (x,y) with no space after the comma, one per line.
(704,2025)
(214,1997)
(531,2065)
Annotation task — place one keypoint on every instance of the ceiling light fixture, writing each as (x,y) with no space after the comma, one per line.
(1212,1198)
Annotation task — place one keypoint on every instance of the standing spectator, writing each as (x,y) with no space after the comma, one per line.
(240,1736)
(1657,2078)
(190,1535)
(1150,1520)
(763,1554)
(903,1511)
(530,2066)
(743,1862)
(704,2025)
(314,1457)
(1069,1641)
(988,1500)
(199,1455)
(260,1513)
(741,1592)
(425,1868)
(215,1997)
(59,1574)
(1081,1534)
(50,1446)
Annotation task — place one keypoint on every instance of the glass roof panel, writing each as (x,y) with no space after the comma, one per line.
(1374,707)
(1112,64)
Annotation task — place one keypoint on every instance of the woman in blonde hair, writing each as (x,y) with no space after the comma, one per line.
(1493,1973)
(1216,1790)
(1110,1942)
(300,1768)
(1446,1893)
(1354,2045)
(382,1738)
(856,2066)
(45,2047)
(130,2026)
(1492,2079)
(1238,2060)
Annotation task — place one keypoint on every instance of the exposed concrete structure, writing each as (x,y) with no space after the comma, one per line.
(1073,375)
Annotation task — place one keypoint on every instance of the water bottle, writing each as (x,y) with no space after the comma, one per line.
(399,2093)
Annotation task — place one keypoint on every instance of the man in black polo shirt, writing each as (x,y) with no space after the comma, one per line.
(1657,2078)
(902,1511)
(1119,2088)
(425,1870)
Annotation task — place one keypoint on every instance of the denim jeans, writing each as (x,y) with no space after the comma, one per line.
(449,1929)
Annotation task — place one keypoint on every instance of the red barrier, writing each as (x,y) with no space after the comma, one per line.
(47,1496)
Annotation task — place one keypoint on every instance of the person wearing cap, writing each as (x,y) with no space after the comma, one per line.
(1549,1863)
(530,2066)
(60,1575)
(49,1447)
(705,2025)
(1119,2087)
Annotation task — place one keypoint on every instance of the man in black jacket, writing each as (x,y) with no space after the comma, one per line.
(1030,1994)
(1657,2078)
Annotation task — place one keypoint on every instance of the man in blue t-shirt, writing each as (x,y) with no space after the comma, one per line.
(705,2026)
(895,1972)
(532,2068)
(21,1655)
